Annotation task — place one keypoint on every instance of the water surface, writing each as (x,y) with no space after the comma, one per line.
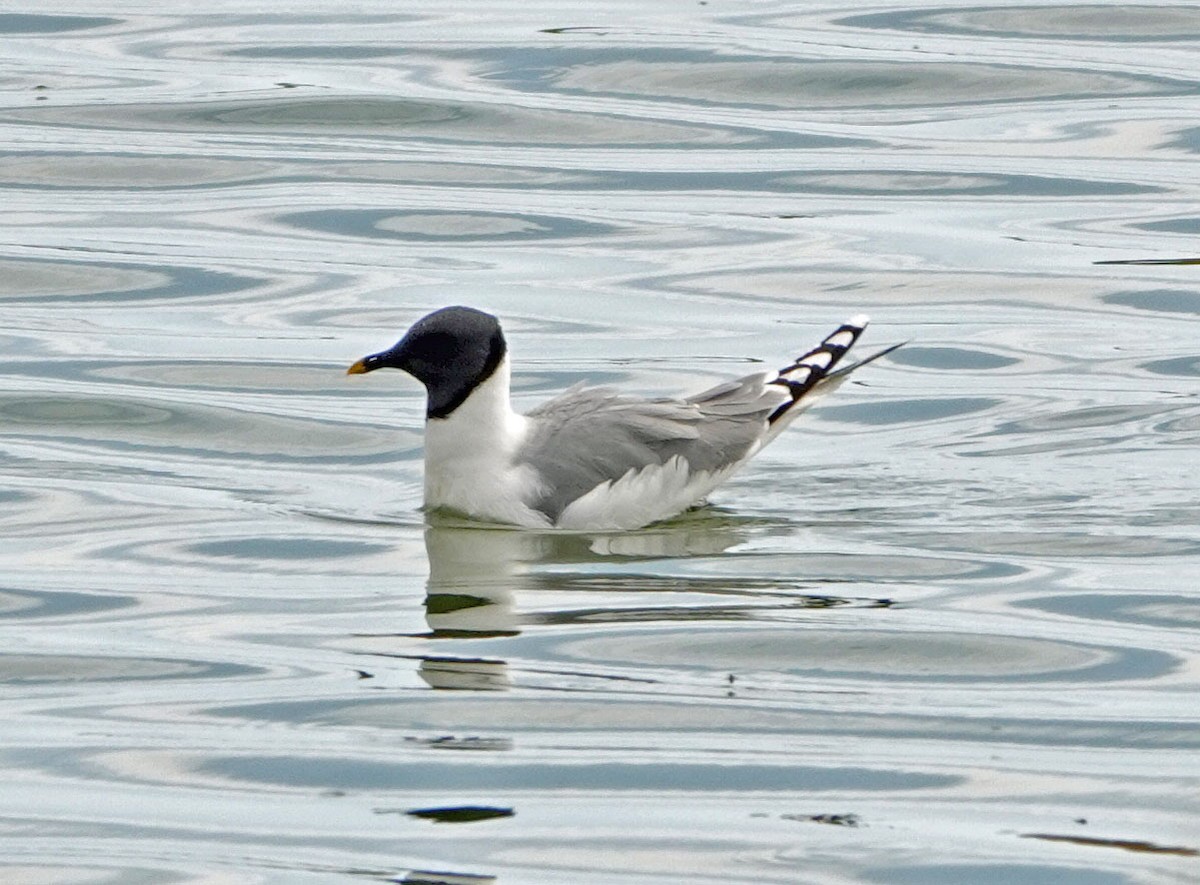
(943,631)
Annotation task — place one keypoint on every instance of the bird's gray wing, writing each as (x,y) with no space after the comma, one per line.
(585,437)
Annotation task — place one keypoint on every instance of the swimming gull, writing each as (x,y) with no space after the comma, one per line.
(590,458)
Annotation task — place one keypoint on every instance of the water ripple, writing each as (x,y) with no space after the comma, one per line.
(745,81)
(1090,22)
(138,425)
(880,656)
(65,669)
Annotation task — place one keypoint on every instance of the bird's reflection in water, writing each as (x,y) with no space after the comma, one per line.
(472,573)
(477,572)
(464,674)
(472,576)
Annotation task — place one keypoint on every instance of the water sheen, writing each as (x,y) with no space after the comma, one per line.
(945,631)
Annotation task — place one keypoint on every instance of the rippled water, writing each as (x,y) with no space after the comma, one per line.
(945,631)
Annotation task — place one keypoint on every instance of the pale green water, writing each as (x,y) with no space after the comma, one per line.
(947,630)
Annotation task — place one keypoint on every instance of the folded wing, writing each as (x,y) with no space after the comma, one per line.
(587,437)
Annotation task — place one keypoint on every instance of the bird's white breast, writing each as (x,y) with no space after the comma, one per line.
(469,458)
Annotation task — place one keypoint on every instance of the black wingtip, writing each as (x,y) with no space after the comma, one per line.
(817,366)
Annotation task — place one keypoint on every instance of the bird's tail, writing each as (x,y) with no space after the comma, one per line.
(812,375)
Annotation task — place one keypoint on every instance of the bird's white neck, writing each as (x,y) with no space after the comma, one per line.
(483,420)
(469,455)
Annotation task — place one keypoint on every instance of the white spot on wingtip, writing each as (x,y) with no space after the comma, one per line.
(861,320)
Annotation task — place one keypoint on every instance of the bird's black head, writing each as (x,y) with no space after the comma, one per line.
(452,351)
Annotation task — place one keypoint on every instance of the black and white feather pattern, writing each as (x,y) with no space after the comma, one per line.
(809,370)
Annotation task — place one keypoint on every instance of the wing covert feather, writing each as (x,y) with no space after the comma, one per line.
(585,437)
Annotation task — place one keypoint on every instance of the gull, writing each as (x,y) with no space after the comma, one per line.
(590,459)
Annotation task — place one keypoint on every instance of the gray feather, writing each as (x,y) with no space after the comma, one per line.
(585,437)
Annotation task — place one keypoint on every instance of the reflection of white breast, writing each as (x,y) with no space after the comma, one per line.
(469,458)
